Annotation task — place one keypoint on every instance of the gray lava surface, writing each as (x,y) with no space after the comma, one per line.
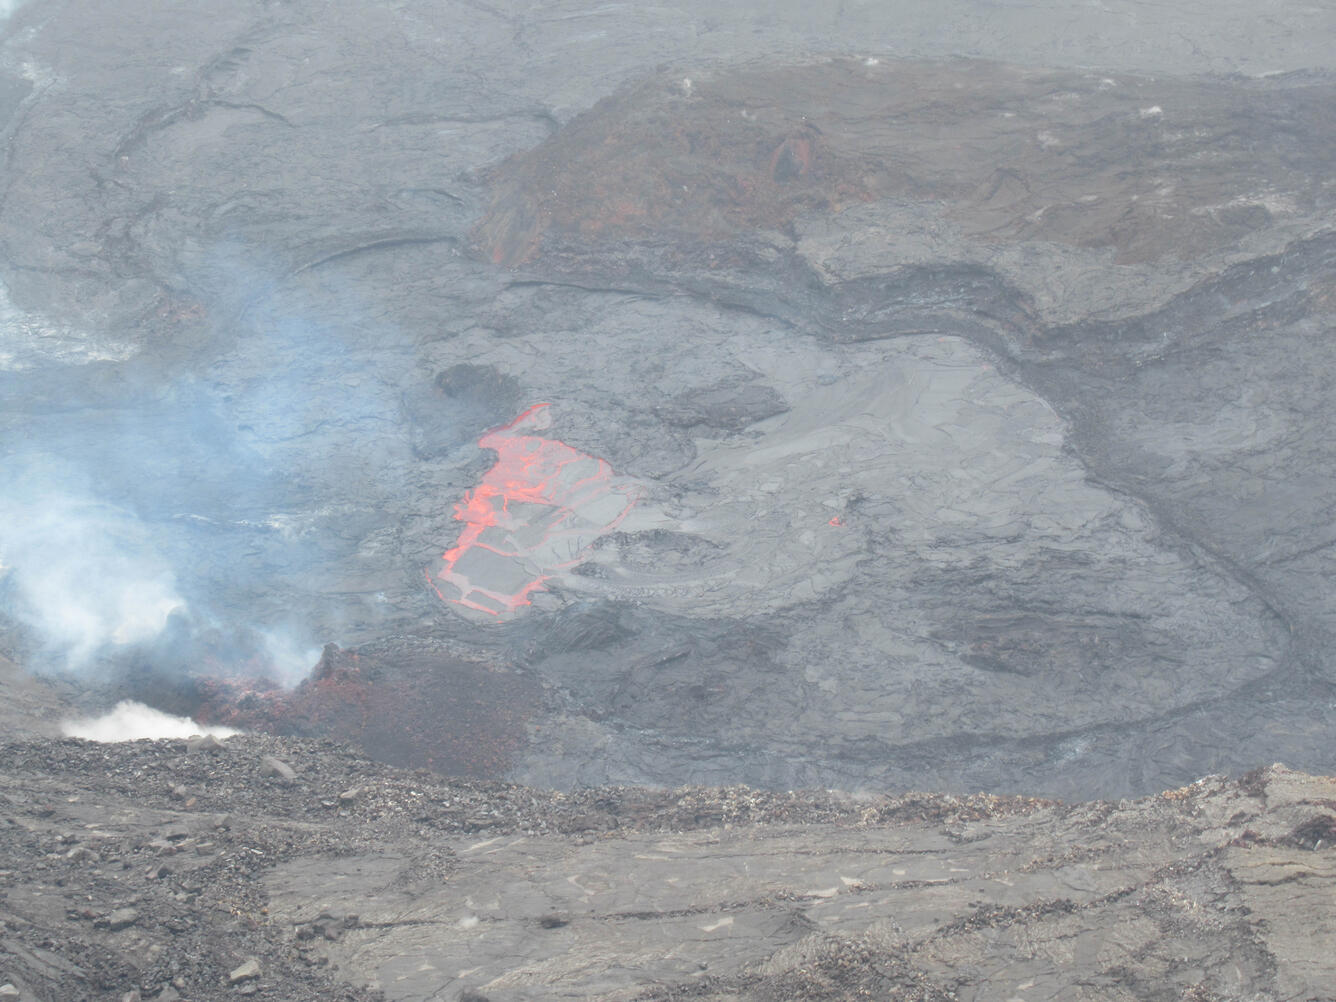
(976,410)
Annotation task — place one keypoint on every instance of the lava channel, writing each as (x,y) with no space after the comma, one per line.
(537,511)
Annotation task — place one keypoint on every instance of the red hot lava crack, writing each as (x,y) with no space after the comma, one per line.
(536,511)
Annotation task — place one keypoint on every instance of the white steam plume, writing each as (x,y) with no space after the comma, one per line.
(83,575)
(290,659)
(131,721)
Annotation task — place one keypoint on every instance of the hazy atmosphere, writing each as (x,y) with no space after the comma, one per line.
(865,397)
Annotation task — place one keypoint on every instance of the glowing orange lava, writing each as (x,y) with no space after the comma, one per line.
(537,510)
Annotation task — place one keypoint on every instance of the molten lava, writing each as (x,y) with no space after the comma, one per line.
(536,511)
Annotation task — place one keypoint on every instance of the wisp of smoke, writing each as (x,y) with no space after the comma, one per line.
(82,575)
(131,721)
(290,660)
(27,339)
(158,515)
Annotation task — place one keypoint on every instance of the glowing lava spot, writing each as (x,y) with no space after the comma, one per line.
(536,511)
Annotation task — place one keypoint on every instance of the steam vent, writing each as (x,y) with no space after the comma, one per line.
(546,500)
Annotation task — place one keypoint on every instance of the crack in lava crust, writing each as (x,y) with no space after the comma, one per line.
(536,511)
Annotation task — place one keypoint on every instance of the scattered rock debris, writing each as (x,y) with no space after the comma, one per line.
(180,901)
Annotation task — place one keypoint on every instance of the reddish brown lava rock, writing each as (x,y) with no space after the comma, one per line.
(414,710)
(669,157)
(689,167)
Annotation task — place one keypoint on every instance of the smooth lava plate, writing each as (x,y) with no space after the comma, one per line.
(537,511)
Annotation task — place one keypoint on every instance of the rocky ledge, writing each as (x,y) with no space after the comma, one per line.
(298,870)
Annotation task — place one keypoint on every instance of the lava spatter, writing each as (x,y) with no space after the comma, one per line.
(537,510)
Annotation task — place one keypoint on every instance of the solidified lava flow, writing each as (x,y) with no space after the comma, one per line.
(413,709)
(536,511)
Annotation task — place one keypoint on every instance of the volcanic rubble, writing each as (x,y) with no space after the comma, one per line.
(298,869)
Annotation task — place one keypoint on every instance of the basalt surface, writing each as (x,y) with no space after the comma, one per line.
(910,422)
(299,870)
